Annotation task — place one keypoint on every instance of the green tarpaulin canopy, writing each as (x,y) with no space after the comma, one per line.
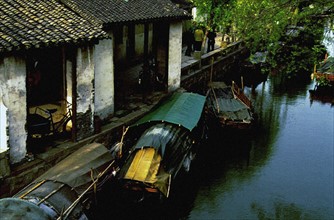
(181,108)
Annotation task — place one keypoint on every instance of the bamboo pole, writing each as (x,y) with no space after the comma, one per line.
(32,189)
(242,83)
(125,130)
(214,95)
(68,211)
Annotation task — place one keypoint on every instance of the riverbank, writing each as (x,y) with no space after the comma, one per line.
(25,172)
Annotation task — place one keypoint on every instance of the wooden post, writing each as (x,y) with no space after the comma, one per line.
(242,83)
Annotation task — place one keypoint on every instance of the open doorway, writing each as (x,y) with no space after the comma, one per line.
(45,76)
(49,113)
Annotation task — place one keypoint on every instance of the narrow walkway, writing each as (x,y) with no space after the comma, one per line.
(133,109)
(130,97)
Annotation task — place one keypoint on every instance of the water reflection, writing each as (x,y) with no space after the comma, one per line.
(289,169)
(280,211)
(283,170)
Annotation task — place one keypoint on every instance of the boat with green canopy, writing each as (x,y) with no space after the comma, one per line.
(162,143)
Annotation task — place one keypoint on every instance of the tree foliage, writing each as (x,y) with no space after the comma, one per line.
(262,22)
(290,30)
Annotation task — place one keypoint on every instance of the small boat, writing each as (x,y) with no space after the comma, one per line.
(65,191)
(162,145)
(229,106)
(324,78)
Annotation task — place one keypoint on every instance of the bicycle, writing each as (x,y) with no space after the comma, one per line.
(41,126)
(153,80)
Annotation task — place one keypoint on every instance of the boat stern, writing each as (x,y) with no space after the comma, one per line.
(143,176)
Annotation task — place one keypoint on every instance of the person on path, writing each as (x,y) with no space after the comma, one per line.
(211,40)
(199,36)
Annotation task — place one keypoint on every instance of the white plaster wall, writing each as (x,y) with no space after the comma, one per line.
(3,126)
(174,56)
(69,82)
(14,96)
(85,78)
(85,82)
(104,79)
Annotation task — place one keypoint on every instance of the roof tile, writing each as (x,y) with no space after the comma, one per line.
(118,11)
(34,23)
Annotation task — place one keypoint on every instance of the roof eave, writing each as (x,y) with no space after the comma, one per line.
(110,24)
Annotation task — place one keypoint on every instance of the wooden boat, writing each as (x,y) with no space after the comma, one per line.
(324,78)
(162,145)
(229,106)
(325,71)
(66,190)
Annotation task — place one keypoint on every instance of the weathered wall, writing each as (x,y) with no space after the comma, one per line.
(69,79)
(3,126)
(4,161)
(104,79)
(14,96)
(174,56)
(85,92)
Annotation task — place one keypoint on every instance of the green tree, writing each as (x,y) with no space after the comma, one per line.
(211,12)
(264,24)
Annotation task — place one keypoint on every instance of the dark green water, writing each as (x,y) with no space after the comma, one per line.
(284,172)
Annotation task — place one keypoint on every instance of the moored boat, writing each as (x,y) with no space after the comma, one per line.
(324,82)
(65,191)
(324,78)
(163,144)
(228,106)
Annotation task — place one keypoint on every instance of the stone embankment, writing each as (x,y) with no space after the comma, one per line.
(196,73)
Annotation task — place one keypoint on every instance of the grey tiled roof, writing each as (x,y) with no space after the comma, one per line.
(37,23)
(122,11)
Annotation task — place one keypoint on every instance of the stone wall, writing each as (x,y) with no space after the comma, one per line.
(85,92)
(104,79)
(14,96)
(218,65)
(174,56)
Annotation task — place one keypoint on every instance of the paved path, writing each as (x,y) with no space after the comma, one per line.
(129,97)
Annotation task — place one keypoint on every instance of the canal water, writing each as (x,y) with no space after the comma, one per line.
(284,170)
